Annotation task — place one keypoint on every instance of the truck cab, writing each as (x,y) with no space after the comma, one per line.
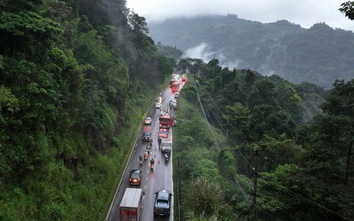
(166,145)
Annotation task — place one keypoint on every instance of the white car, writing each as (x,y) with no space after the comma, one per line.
(158,105)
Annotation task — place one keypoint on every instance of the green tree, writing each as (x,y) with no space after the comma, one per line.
(238,119)
(336,129)
(348,9)
(205,195)
(138,23)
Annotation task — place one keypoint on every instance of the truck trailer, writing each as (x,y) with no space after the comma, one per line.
(130,208)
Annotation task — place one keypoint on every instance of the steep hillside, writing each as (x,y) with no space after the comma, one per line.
(255,158)
(75,80)
(318,55)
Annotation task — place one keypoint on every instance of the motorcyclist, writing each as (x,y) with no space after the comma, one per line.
(140,158)
(152,161)
(148,146)
(146,155)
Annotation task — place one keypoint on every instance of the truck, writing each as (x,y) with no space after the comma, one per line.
(173,104)
(131,206)
(166,145)
(184,78)
(174,86)
(167,119)
(158,102)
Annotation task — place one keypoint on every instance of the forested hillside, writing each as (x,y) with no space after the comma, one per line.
(76,77)
(75,80)
(245,150)
(319,55)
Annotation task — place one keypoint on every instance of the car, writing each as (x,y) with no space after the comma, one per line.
(176,94)
(147,121)
(147,137)
(162,206)
(158,105)
(163,133)
(135,177)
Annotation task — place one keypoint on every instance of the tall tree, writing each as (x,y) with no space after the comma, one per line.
(337,126)
(348,9)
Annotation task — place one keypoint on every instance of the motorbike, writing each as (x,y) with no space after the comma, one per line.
(148,147)
(152,163)
(146,156)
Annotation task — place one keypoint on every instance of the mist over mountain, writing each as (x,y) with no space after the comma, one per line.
(319,55)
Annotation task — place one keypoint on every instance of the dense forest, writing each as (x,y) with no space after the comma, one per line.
(75,80)
(319,54)
(246,148)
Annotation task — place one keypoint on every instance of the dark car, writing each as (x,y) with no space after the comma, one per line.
(147,137)
(135,177)
(162,206)
(177,95)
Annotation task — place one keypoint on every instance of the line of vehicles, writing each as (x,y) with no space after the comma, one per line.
(131,205)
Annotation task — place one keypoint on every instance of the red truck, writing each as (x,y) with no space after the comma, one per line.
(174,86)
(131,206)
(184,78)
(166,121)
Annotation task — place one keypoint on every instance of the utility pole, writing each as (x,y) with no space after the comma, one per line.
(255,175)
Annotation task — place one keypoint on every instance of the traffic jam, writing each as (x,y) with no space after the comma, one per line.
(149,189)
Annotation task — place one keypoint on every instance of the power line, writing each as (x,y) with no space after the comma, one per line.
(315,203)
(227,135)
(238,184)
(210,129)
(304,198)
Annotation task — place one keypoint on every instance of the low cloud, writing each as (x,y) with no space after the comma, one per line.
(202,52)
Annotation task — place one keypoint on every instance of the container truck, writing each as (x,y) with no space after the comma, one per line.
(130,208)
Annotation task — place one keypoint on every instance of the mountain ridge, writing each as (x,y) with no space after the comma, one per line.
(319,54)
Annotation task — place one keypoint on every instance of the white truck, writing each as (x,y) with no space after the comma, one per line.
(131,206)
(166,145)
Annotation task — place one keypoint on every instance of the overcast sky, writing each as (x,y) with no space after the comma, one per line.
(302,12)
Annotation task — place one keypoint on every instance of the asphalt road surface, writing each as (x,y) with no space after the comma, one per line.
(152,180)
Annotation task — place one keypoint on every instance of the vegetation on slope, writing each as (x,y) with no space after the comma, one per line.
(256,125)
(76,77)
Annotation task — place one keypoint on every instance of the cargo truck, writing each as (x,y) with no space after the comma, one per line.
(166,121)
(131,206)
(166,146)
(174,86)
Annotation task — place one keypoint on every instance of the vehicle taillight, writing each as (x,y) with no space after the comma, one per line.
(130,179)
(138,179)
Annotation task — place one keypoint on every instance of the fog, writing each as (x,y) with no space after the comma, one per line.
(305,13)
(202,51)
